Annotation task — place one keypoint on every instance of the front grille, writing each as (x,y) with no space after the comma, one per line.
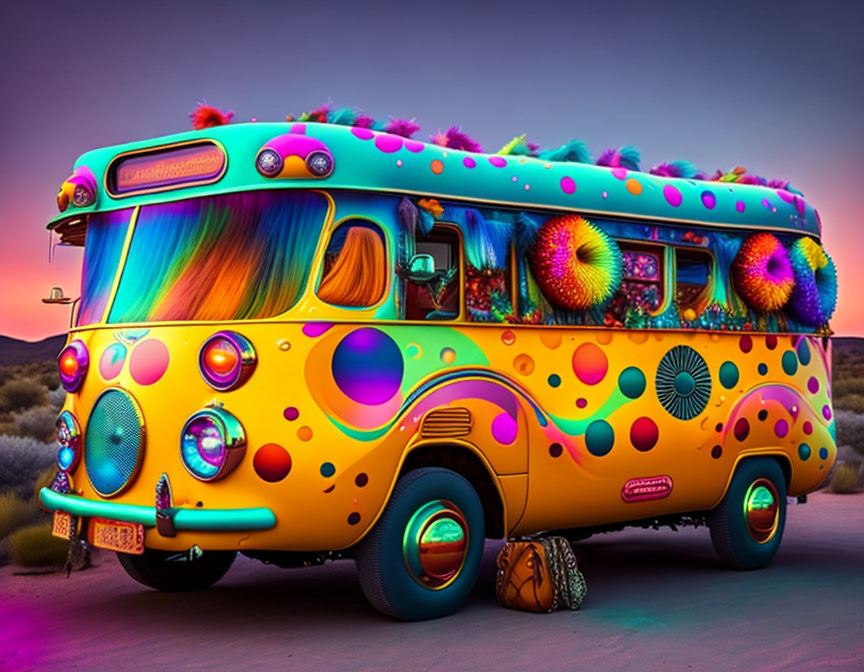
(113,442)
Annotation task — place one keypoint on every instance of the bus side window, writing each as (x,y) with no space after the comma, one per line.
(693,271)
(435,298)
(642,277)
(355,266)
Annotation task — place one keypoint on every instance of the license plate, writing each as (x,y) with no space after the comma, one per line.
(62,525)
(115,535)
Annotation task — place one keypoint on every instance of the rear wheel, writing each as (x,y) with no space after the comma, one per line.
(172,571)
(421,559)
(747,526)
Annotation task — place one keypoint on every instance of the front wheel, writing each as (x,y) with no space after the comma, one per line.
(421,559)
(172,571)
(747,526)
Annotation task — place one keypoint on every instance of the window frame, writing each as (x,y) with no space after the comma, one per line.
(460,316)
(712,272)
(665,256)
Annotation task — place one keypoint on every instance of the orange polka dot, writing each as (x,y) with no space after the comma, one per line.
(634,186)
(437,166)
(304,433)
(524,364)
(550,338)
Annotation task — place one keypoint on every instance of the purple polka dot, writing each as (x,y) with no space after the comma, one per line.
(504,429)
(568,186)
(367,366)
(741,429)
(362,133)
(291,413)
(315,329)
(388,143)
(785,195)
(620,173)
(299,128)
(497,161)
(673,196)
(709,200)
(826,412)
(781,429)
(808,427)
(414,146)
(813,385)
(739,206)
(469,162)
(581,403)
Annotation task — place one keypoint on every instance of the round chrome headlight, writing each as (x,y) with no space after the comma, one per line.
(82,196)
(226,360)
(212,444)
(269,162)
(319,163)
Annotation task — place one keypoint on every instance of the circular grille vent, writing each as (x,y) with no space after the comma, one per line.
(113,442)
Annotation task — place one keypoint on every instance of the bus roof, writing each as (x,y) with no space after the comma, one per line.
(368,160)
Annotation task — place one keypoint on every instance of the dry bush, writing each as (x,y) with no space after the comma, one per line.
(16,512)
(850,430)
(35,546)
(842,387)
(22,460)
(21,393)
(851,402)
(845,478)
(57,397)
(37,422)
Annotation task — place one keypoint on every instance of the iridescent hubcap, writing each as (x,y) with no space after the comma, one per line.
(434,544)
(761,510)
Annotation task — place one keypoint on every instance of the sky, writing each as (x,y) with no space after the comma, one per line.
(776,87)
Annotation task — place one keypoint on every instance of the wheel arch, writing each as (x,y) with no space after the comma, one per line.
(779,456)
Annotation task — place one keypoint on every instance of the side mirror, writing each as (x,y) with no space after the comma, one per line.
(421,268)
(56,296)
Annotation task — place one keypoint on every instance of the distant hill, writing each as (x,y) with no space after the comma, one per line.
(15,351)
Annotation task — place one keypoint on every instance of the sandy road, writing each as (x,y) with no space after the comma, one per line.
(657,600)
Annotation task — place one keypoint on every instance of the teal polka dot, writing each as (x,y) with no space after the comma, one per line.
(728,375)
(823,453)
(599,438)
(684,383)
(790,363)
(804,352)
(804,451)
(327,469)
(554,380)
(762,368)
(631,382)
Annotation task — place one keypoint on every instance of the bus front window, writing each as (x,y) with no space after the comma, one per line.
(228,257)
(105,235)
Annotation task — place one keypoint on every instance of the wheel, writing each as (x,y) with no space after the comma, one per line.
(421,559)
(171,571)
(747,526)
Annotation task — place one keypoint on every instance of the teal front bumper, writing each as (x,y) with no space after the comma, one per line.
(201,520)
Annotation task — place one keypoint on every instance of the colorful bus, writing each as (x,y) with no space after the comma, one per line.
(309,341)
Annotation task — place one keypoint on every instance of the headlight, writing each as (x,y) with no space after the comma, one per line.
(73,362)
(319,163)
(212,444)
(69,438)
(226,360)
(269,162)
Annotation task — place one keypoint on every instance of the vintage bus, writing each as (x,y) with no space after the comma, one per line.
(308,341)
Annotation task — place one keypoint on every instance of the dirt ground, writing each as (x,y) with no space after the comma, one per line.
(656,600)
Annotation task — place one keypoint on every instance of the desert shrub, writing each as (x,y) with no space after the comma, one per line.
(22,460)
(21,393)
(45,479)
(8,427)
(37,422)
(15,512)
(50,378)
(56,397)
(850,430)
(845,386)
(851,402)
(845,478)
(35,546)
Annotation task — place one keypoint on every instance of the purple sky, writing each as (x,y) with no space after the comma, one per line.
(775,87)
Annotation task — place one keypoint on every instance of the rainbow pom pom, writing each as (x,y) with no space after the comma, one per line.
(575,264)
(762,273)
(815,295)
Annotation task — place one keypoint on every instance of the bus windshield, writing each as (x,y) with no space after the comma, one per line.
(227,257)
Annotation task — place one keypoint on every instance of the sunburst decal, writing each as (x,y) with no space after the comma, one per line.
(683,382)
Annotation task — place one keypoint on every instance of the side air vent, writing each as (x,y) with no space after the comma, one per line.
(446,422)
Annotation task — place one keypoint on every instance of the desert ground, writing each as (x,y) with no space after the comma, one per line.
(657,600)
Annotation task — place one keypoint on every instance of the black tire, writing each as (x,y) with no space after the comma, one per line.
(737,542)
(388,583)
(173,572)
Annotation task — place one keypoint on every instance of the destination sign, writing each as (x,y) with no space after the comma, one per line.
(167,168)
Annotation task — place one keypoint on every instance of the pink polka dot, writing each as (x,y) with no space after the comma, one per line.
(568,186)
(111,362)
(590,363)
(808,427)
(497,161)
(746,344)
(504,429)
(739,206)
(299,128)
(469,162)
(388,143)
(148,361)
(620,173)
(644,434)
(362,133)
(800,205)
(673,196)
(581,403)
(766,203)
(813,385)
(785,195)
(826,412)
(781,429)
(414,146)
